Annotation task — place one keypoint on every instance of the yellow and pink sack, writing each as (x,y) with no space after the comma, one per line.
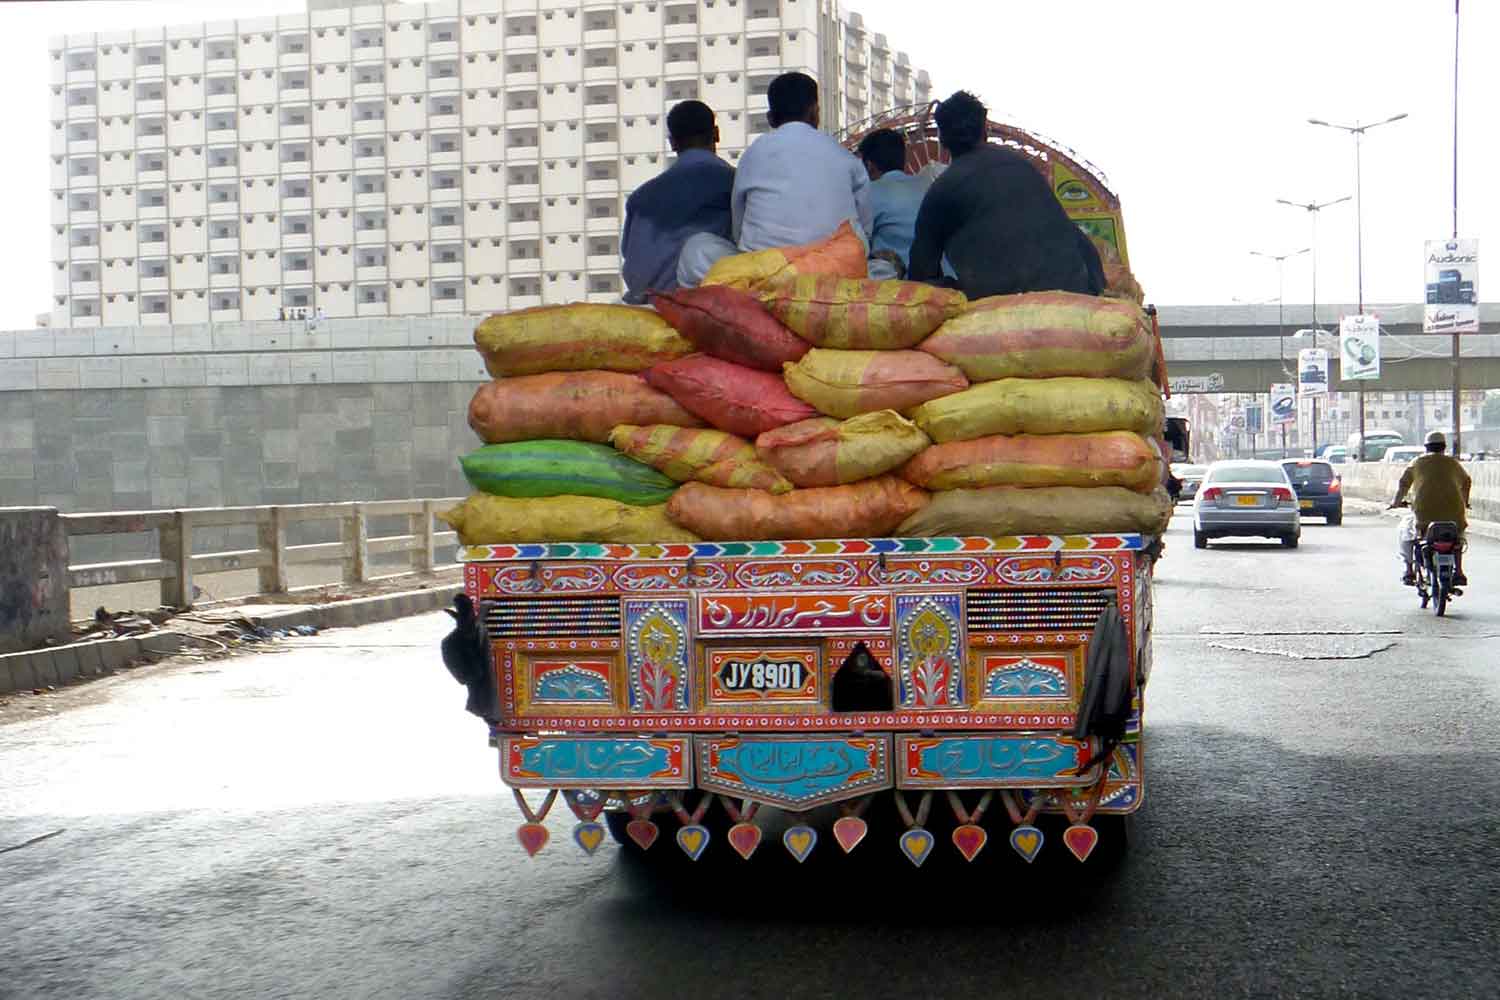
(827,452)
(699,455)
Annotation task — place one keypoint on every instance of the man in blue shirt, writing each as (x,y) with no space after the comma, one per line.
(690,197)
(794,185)
(895,197)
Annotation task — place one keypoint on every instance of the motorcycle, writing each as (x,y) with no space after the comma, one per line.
(1434,561)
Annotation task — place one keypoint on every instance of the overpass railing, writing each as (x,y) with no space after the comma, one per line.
(176,564)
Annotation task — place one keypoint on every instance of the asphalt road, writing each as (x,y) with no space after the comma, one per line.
(324,821)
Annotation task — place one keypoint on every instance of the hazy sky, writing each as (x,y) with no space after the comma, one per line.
(1195,109)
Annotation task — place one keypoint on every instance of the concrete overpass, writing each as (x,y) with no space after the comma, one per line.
(1239,348)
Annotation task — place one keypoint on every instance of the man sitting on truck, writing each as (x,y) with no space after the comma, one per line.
(1439,489)
(689,197)
(895,197)
(794,184)
(995,218)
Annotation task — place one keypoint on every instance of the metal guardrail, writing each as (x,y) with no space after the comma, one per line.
(177,564)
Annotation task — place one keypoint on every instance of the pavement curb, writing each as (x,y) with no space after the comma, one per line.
(77,661)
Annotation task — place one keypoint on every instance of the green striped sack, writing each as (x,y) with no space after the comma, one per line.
(564,468)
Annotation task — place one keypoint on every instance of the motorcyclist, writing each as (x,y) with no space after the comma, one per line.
(1439,489)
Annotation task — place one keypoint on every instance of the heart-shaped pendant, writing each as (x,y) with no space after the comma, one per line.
(916,844)
(693,840)
(643,832)
(800,840)
(849,831)
(744,838)
(533,837)
(588,836)
(1081,840)
(970,840)
(1027,840)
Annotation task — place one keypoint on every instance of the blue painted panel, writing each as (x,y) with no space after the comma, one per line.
(596,763)
(793,772)
(1026,680)
(990,761)
(571,685)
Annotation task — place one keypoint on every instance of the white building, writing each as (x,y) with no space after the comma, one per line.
(456,156)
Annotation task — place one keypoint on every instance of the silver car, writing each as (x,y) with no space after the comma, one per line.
(1191,477)
(1246,498)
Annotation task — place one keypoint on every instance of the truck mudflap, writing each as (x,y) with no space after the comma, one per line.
(646,685)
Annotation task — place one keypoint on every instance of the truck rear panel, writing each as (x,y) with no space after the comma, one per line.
(641,673)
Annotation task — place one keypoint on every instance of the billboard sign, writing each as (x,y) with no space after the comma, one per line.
(1452,282)
(1253,422)
(1283,404)
(1359,348)
(1312,372)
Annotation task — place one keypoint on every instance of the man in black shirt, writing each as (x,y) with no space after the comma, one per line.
(993,215)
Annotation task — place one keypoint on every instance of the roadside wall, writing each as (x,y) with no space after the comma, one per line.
(1378,481)
(232,414)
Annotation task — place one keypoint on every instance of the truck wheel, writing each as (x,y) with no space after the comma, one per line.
(1200,540)
(1116,835)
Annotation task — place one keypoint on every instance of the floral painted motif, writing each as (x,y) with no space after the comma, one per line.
(657,650)
(930,646)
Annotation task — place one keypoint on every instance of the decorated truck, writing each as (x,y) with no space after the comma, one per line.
(707,655)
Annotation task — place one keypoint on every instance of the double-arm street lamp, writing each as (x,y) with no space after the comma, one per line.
(1312,208)
(1281,259)
(1358,131)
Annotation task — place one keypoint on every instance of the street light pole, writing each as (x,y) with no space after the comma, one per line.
(1358,131)
(1280,260)
(1313,208)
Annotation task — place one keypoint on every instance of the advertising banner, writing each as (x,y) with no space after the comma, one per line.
(1452,287)
(1359,348)
(1283,404)
(1312,372)
(1253,422)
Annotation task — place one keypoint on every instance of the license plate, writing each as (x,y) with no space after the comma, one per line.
(1247,501)
(1306,505)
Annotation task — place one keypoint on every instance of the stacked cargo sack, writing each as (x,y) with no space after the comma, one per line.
(807,362)
(1057,431)
(564,377)
(790,397)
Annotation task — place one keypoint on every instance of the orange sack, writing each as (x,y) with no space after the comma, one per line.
(731,397)
(577,406)
(856,315)
(871,509)
(842,254)
(731,325)
(1108,458)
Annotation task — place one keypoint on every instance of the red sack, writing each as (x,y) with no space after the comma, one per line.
(731,397)
(731,325)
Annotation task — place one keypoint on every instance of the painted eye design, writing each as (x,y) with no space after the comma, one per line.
(1072,191)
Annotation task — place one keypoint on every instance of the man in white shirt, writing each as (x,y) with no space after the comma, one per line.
(793,185)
